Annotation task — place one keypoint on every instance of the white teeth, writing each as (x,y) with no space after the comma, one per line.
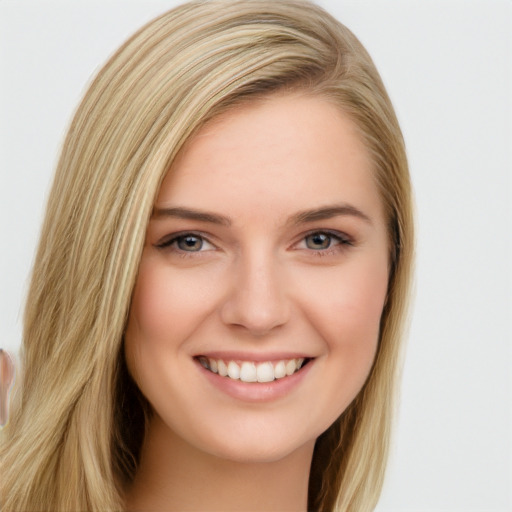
(280,370)
(233,370)
(249,371)
(291,366)
(265,372)
(222,368)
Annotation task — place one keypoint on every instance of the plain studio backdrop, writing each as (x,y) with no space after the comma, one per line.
(447,66)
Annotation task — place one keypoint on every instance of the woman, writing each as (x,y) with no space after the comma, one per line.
(215,311)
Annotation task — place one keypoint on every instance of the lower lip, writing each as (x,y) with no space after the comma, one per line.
(257,391)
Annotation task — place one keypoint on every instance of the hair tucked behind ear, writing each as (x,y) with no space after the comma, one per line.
(78,420)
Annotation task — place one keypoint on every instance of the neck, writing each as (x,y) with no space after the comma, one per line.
(175,476)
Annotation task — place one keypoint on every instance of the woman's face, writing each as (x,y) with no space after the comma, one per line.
(267,258)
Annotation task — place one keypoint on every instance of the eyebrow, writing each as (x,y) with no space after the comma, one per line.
(312,215)
(191,214)
(328,212)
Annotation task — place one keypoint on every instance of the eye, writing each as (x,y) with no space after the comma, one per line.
(323,240)
(318,241)
(187,242)
(191,243)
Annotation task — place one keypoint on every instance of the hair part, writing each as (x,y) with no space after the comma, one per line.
(75,434)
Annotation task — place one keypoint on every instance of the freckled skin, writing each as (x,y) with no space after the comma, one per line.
(260,284)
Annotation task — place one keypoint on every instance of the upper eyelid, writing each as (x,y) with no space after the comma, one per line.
(168,239)
(331,232)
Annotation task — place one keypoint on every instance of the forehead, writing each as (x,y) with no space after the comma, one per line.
(288,150)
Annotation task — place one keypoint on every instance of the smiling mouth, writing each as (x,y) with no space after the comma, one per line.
(248,371)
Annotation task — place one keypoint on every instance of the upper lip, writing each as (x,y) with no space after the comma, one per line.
(256,357)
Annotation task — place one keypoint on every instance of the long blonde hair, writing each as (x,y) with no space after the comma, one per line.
(78,422)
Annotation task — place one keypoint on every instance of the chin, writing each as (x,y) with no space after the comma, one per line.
(243,439)
(260,451)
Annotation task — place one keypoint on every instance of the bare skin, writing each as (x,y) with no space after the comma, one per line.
(223,485)
(267,246)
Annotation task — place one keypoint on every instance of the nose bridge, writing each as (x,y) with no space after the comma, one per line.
(257,299)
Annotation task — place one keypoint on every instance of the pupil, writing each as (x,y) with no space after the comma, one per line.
(318,241)
(190,243)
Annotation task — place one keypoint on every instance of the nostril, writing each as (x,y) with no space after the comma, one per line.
(258,319)
(257,300)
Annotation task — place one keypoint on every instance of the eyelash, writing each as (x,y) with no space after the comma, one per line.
(343,241)
(169,243)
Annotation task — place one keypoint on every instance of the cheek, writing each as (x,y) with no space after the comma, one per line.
(348,319)
(346,310)
(352,295)
(166,302)
(167,306)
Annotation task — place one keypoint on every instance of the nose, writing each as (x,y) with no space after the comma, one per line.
(257,301)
